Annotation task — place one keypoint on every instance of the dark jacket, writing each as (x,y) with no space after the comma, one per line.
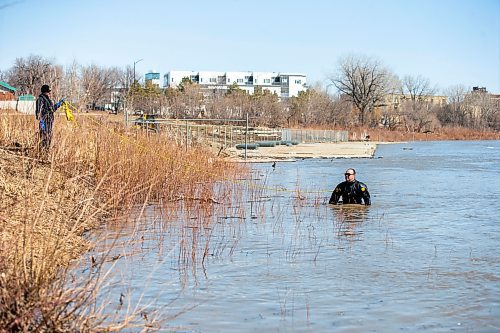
(354,192)
(45,113)
(44,107)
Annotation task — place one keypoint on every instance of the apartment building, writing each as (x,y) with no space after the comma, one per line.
(395,100)
(282,84)
(153,78)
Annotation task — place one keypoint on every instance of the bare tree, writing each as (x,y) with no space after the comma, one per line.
(481,110)
(454,113)
(97,83)
(419,116)
(313,107)
(186,101)
(236,103)
(494,121)
(127,78)
(416,87)
(266,110)
(29,74)
(70,87)
(364,80)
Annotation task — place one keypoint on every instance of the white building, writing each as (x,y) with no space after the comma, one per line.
(282,84)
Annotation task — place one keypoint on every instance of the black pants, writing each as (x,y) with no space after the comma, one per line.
(45,131)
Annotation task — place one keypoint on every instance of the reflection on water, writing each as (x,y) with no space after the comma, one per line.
(423,257)
(348,217)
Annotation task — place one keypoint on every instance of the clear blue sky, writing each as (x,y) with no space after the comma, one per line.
(448,42)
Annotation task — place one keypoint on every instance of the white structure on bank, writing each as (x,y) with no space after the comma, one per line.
(282,84)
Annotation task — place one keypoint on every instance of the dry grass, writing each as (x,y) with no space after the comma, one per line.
(443,133)
(48,200)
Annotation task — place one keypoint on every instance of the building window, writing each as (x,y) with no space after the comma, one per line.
(239,80)
(255,81)
(213,80)
(298,81)
(201,79)
(267,81)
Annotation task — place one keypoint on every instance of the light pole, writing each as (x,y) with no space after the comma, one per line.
(132,99)
(135,62)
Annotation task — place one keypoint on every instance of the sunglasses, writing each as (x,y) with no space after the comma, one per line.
(348,174)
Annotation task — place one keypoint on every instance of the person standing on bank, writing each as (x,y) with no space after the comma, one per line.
(351,191)
(44,113)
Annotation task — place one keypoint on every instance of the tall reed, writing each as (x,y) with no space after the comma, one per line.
(94,170)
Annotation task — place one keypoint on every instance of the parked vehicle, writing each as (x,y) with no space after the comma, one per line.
(147,121)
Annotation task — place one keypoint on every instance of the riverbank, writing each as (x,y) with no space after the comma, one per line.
(353,148)
(35,205)
(94,173)
(440,134)
(302,151)
(44,214)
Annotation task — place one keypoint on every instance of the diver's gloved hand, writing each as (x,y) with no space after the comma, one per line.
(43,127)
(58,104)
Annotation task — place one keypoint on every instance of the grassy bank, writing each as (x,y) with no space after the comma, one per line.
(95,172)
(444,133)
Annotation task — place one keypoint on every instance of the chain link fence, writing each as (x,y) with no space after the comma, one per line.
(230,132)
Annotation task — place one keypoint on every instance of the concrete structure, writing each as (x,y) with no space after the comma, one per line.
(27,107)
(282,84)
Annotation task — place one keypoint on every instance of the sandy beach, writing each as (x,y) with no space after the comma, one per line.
(304,150)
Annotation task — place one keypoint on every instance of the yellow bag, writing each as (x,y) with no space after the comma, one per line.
(67,111)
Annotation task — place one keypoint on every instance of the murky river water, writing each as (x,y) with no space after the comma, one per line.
(424,257)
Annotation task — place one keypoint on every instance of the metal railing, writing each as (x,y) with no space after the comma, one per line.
(311,136)
(231,132)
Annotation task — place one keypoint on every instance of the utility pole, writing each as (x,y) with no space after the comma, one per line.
(132,101)
(135,62)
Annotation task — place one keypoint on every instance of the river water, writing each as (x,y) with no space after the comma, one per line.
(424,257)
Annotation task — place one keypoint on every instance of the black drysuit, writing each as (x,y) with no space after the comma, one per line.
(354,192)
(45,114)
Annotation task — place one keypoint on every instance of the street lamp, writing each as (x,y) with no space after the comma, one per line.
(132,103)
(135,62)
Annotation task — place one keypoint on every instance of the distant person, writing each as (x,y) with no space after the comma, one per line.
(44,113)
(351,191)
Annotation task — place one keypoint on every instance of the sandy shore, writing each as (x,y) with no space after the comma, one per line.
(305,150)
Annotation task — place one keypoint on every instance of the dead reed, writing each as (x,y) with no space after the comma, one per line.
(443,133)
(94,170)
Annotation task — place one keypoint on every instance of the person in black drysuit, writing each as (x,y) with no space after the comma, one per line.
(351,191)
(44,113)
